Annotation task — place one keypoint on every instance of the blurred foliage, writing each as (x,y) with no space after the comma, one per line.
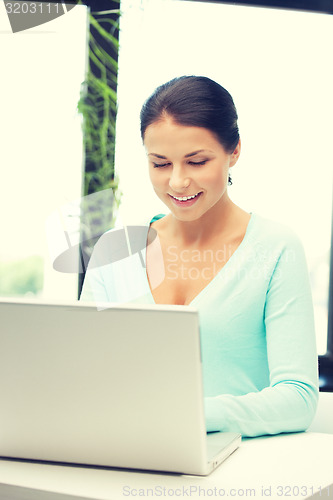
(98,108)
(98,105)
(21,277)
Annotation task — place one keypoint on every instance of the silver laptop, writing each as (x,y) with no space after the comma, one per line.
(121,387)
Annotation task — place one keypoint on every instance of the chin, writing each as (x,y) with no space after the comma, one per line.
(186,217)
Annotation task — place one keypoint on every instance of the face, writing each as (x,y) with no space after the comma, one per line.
(188,168)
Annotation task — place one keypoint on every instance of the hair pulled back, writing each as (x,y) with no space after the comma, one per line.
(195,101)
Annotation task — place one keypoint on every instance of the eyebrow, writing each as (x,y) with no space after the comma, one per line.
(157,156)
(186,156)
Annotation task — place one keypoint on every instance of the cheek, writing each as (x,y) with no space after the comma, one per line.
(215,177)
(156,177)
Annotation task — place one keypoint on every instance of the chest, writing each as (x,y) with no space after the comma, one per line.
(184,272)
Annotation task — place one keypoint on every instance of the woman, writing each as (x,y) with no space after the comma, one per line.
(246,275)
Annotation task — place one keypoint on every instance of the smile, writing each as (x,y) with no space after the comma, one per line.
(185,198)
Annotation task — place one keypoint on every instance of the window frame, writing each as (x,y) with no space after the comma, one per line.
(326,360)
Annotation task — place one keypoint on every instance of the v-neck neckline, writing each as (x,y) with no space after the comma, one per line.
(218,275)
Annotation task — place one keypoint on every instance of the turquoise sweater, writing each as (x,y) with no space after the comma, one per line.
(257,328)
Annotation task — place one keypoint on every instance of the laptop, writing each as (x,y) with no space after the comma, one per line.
(119,387)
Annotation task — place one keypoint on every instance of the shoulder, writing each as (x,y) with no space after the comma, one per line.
(159,223)
(157,218)
(273,233)
(278,252)
(272,242)
(120,242)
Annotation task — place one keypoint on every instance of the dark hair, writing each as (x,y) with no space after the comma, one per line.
(195,101)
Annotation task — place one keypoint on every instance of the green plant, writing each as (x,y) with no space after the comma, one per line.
(98,107)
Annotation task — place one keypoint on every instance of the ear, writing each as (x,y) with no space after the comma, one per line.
(235,155)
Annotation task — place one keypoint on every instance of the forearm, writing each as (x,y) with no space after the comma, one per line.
(287,407)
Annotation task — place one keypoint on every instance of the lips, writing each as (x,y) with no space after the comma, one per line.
(185,198)
(185,201)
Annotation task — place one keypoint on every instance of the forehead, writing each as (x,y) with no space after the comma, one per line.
(166,137)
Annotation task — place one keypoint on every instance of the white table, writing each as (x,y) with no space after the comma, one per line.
(285,466)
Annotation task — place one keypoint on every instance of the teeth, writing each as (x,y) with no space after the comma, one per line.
(185,198)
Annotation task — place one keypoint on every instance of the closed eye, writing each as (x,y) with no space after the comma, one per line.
(160,165)
(197,163)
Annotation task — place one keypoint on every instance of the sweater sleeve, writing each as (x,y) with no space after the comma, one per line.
(116,272)
(94,289)
(99,286)
(289,403)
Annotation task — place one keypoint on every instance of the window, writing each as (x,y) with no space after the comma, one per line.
(41,148)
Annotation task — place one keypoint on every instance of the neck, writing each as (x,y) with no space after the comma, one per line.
(215,222)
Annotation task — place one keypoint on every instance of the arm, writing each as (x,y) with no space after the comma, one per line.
(93,289)
(289,403)
(116,273)
(99,273)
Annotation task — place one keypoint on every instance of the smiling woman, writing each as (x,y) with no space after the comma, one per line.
(255,307)
(187,175)
(189,127)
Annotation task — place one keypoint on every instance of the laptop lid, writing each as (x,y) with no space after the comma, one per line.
(120,387)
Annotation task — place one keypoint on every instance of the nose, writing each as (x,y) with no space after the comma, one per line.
(179,179)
